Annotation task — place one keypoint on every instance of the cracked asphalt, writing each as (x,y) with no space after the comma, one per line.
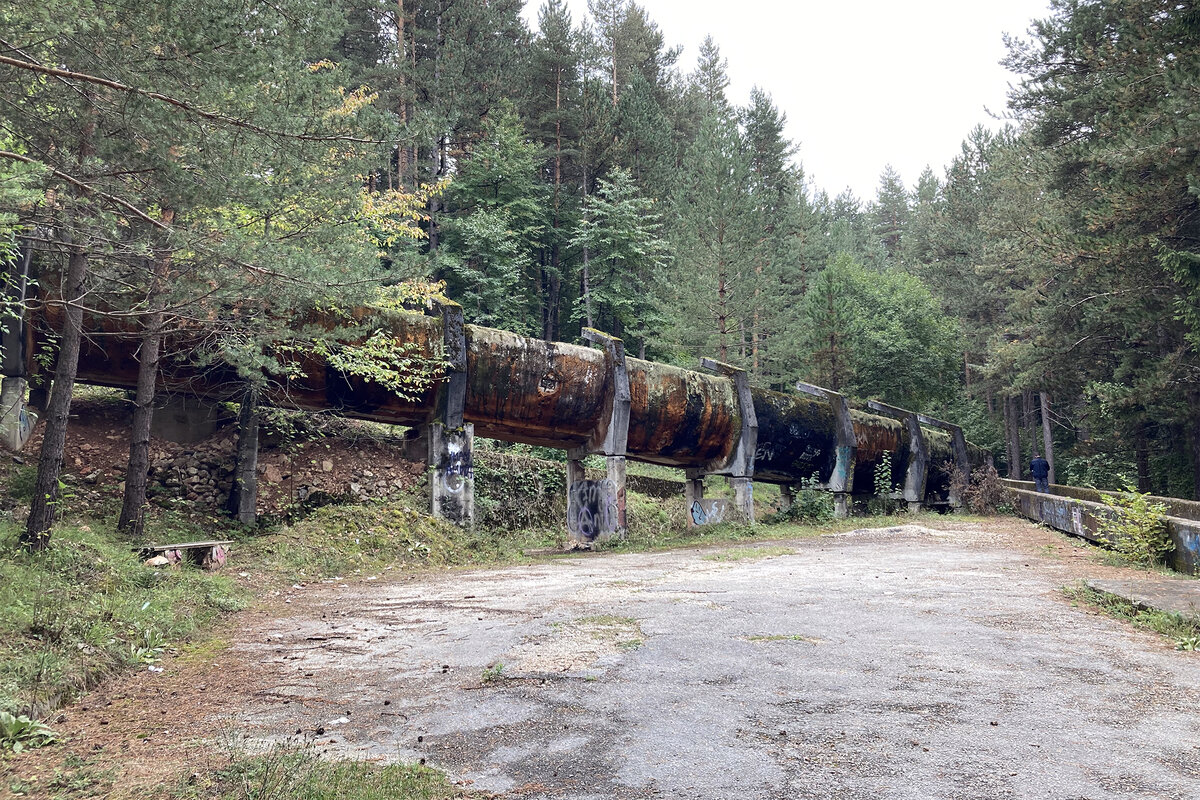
(893,663)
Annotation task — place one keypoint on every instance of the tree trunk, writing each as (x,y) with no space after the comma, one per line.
(243,494)
(1047,434)
(1028,419)
(722,315)
(133,507)
(550,330)
(1142,453)
(585,287)
(44,507)
(1012,438)
(1195,404)
(401,154)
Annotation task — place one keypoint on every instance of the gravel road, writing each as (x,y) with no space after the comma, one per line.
(893,663)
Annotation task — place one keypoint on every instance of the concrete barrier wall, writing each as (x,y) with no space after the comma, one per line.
(1187,509)
(1085,518)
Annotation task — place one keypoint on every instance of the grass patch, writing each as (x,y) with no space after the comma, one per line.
(287,773)
(345,540)
(86,607)
(623,633)
(1183,631)
(741,553)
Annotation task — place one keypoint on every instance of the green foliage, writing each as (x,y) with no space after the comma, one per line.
(743,553)
(882,475)
(622,233)
(348,540)
(879,334)
(516,492)
(493,673)
(18,733)
(499,215)
(811,505)
(1136,527)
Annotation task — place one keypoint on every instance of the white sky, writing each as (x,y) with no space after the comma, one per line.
(863,83)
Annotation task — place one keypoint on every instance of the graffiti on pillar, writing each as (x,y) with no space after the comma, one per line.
(17,432)
(456,468)
(708,511)
(592,509)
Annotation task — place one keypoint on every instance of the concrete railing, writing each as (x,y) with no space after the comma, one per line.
(1079,511)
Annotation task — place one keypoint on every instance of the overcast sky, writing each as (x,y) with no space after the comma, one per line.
(863,83)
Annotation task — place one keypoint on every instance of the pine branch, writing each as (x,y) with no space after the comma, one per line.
(181,104)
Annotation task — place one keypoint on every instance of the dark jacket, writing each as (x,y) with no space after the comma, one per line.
(1039,468)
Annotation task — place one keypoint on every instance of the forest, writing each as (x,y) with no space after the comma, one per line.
(224,168)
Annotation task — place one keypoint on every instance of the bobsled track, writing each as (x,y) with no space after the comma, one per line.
(582,399)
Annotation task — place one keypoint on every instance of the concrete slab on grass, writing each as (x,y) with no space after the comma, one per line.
(1176,595)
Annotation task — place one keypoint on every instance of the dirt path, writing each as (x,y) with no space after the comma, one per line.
(898,663)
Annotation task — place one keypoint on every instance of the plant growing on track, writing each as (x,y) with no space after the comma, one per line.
(1136,527)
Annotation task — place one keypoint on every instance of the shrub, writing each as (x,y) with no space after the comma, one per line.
(1136,528)
(985,495)
(810,505)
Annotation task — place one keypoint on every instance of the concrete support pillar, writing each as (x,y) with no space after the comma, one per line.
(841,481)
(743,498)
(243,493)
(16,423)
(787,497)
(739,470)
(451,440)
(596,509)
(962,459)
(917,469)
(841,505)
(615,466)
(452,475)
(693,493)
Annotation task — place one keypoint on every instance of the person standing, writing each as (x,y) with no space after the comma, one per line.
(1040,469)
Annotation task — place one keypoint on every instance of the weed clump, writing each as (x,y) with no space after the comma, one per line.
(1136,528)
(810,505)
(985,494)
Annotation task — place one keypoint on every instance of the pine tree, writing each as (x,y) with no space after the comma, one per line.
(553,111)
(890,214)
(496,223)
(712,230)
(628,258)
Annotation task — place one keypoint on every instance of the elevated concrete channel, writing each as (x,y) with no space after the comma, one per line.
(1082,512)
(586,400)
